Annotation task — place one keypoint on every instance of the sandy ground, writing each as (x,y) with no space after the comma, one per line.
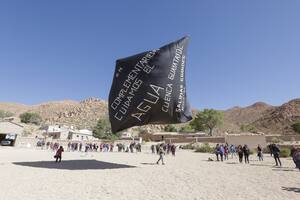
(30,174)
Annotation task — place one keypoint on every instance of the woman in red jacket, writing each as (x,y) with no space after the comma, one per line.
(59,154)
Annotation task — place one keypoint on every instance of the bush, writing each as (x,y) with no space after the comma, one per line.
(248,128)
(266,150)
(276,140)
(31,118)
(296,127)
(4,114)
(188,146)
(205,148)
(285,152)
(186,129)
(170,128)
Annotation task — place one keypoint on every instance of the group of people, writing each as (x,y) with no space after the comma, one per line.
(133,146)
(92,147)
(242,151)
(166,147)
(222,151)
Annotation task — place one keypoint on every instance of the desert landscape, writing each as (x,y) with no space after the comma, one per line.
(33,174)
(84,114)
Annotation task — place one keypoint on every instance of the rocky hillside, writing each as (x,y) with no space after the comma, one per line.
(266,118)
(82,114)
(278,120)
(235,117)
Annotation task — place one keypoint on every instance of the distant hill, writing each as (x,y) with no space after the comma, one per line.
(82,114)
(266,118)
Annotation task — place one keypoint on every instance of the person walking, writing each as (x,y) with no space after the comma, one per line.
(161,153)
(276,154)
(59,154)
(246,152)
(260,153)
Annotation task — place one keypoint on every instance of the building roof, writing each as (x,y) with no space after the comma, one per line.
(8,127)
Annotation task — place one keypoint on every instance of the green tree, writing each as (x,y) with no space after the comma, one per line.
(170,128)
(208,119)
(4,114)
(296,127)
(31,118)
(102,130)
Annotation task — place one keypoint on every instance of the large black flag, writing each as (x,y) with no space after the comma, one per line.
(149,88)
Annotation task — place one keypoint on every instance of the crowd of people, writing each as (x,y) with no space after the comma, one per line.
(243,152)
(222,151)
(166,147)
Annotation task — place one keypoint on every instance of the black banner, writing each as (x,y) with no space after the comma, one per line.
(149,88)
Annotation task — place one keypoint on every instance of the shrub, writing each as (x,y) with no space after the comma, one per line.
(186,129)
(285,152)
(276,140)
(188,146)
(170,128)
(251,152)
(4,114)
(204,148)
(31,118)
(248,128)
(266,150)
(296,127)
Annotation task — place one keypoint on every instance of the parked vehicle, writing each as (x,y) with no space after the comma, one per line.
(6,143)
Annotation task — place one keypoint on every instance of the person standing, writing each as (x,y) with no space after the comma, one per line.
(226,152)
(161,153)
(59,154)
(270,146)
(222,152)
(173,149)
(276,154)
(296,158)
(246,152)
(293,150)
(152,148)
(232,150)
(240,153)
(217,151)
(260,153)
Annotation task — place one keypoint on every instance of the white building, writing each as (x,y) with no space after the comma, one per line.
(81,135)
(58,131)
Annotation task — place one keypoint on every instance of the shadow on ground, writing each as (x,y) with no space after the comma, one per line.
(284,170)
(262,165)
(291,189)
(148,163)
(74,165)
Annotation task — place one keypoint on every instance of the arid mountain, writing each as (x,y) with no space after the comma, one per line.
(278,120)
(265,118)
(82,114)
(235,117)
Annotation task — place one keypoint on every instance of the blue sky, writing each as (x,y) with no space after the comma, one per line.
(240,52)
